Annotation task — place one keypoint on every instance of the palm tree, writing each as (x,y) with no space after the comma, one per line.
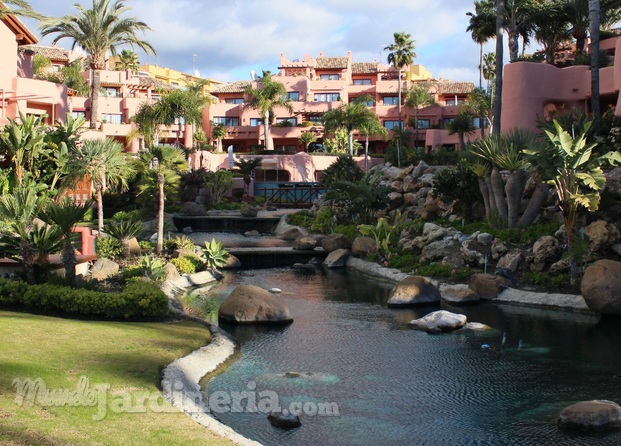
(161,166)
(265,99)
(306,138)
(401,55)
(489,70)
(500,10)
(594,25)
(218,132)
(127,60)
(462,125)
(482,28)
(549,27)
(105,163)
(517,16)
(22,9)
(24,143)
(371,127)
(65,216)
(246,167)
(479,103)
(417,97)
(98,30)
(352,116)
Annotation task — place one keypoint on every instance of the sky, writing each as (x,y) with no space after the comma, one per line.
(225,40)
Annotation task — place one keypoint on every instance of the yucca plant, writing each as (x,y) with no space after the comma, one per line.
(124,231)
(215,253)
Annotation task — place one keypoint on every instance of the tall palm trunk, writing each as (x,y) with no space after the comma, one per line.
(350,142)
(594,24)
(100,214)
(513,190)
(498,194)
(27,253)
(366,152)
(269,144)
(500,8)
(160,213)
(536,202)
(69,260)
(399,117)
(486,200)
(95,87)
(481,65)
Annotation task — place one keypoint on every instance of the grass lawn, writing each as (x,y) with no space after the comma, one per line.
(128,357)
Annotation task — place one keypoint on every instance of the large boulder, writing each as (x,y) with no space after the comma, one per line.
(292,233)
(337,259)
(414,291)
(459,294)
(192,208)
(335,241)
(439,322)
(546,249)
(304,243)
(601,287)
(363,246)
(601,235)
(172,273)
(489,286)
(134,247)
(284,420)
(250,304)
(103,269)
(248,210)
(590,416)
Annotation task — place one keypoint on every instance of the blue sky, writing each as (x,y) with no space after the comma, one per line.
(234,37)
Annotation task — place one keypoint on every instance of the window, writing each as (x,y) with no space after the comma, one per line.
(255,122)
(316,119)
(292,121)
(294,96)
(368,103)
(423,123)
(362,81)
(234,101)
(77,114)
(180,120)
(112,119)
(110,92)
(454,101)
(478,121)
(329,77)
(391,100)
(228,122)
(390,125)
(448,121)
(326,97)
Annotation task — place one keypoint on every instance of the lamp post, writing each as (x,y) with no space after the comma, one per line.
(155,166)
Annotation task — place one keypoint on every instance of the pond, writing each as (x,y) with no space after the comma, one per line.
(391,385)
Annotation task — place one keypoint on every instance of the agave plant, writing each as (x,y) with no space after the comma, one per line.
(215,253)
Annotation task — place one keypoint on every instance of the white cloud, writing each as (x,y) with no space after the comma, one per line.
(230,38)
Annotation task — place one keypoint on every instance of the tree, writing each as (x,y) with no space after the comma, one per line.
(479,103)
(218,132)
(350,117)
(489,70)
(107,166)
(306,138)
(246,167)
(372,127)
(265,99)
(500,9)
(594,25)
(517,16)
(22,8)
(127,60)
(482,27)
(462,125)
(160,166)
(549,27)
(65,216)
(23,142)
(98,30)
(401,55)
(417,97)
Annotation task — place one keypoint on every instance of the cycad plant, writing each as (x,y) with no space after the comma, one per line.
(124,231)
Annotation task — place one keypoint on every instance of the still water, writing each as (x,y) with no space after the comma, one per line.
(396,386)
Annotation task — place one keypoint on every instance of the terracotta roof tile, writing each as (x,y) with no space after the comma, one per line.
(331,62)
(233,87)
(363,67)
(51,52)
(449,87)
(149,82)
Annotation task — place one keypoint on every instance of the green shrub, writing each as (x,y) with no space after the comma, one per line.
(351,231)
(151,268)
(108,248)
(459,183)
(344,168)
(127,215)
(301,218)
(215,253)
(187,264)
(324,220)
(146,245)
(136,301)
(180,242)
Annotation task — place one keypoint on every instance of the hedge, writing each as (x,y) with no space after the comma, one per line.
(139,300)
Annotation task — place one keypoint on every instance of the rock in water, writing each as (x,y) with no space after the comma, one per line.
(414,290)
(601,287)
(439,322)
(590,416)
(250,304)
(285,421)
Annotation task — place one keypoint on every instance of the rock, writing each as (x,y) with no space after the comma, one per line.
(601,287)
(459,294)
(103,269)
(171,272)
(562,266)
(304,266)
(253,233)
(362,246)
(186,230)
(441,321)
(485,239)
(275,290)
(434,232)
(192,208)
(395,199)
(475,253)
(409,199)
(488,286)
(414,290)
(232,262)
(249,304)
(291,234)
(546,249)
(590,416)
(134,247)
(177,253)
(499,249)
(440,249)
(304,243)
(510,260)
(335,241)
(248,210)
(601,235)
(420,169)
(477,326)
(284,421)
(337,259)
(617,248)
(427,179)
